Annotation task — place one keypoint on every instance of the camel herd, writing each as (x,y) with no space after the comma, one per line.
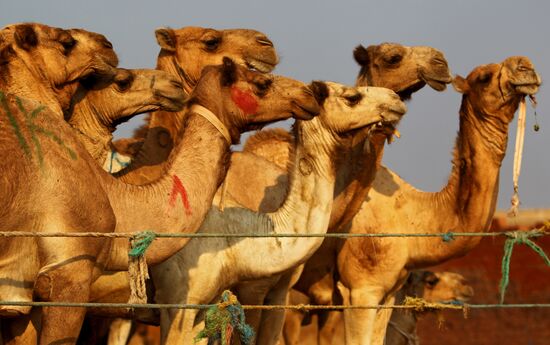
(62,96)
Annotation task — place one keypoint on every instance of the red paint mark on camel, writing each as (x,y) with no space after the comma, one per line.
(244,100)
(179,189)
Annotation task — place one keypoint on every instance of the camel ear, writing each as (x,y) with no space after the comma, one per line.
(25,36)
(166,38)
(460,84)
(361,55)
(229,72)
(320,91)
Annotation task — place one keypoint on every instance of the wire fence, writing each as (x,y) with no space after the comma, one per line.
(513,237)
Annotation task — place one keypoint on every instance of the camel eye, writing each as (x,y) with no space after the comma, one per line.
(485,77)
(263,86)
(124,84)
(354,99)
(431,281)
(394,59)
(212,43)
(67,41)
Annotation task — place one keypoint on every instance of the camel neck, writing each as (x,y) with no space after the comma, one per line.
(179,200)
(94,134)
(27,82)
(468,201)
(306,209)
(162,133)
(356,169)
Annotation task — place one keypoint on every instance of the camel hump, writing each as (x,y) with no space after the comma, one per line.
(271,144)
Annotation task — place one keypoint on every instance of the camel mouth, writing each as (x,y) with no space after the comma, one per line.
(305,113)
(172,102)
(260,65)
(526,88)
(406,93)
(438,85)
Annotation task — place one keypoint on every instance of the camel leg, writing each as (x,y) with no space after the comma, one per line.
(292,327)
(119,332)
(330,332)
(250,294)
(180,328)
(69,282)
(22,330)
(382,319)
(359,323)
(272,322)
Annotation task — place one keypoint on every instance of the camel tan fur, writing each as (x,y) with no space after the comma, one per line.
(205,267)
(406,70)
(184,53)
(50,189)
(99,106)
(373,269)
(431,286)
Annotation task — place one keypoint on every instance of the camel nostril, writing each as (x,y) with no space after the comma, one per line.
(107,44)
(264,41)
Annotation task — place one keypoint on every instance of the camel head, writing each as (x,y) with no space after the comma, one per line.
(190,49)
(348,108)
(496,87)
(128,93)
(248,99)
(55,56)
(445,286)
(403,69)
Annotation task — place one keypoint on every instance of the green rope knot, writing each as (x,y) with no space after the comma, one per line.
(448,237)
(519,237)
(222,319)
(140,243)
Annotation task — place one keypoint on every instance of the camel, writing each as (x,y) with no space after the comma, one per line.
(68,175)
(99,106)
(184,53)
(431,286)
(205,267)
(373,269)
(403,69)
(45,63)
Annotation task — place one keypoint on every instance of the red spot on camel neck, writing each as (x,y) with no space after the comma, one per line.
(244,100)
(179,189)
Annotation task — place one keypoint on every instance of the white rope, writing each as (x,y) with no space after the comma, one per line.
(520,136)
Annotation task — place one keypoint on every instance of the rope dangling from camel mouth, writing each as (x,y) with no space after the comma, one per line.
(137,266)
(518,153)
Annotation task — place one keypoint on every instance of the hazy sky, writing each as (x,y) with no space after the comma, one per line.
(315,41)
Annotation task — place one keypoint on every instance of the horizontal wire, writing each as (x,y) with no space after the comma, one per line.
(270,307)
(445,235)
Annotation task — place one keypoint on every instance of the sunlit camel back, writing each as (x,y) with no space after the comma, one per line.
(100,105)
(71,193)
(184,53)
(373,269)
